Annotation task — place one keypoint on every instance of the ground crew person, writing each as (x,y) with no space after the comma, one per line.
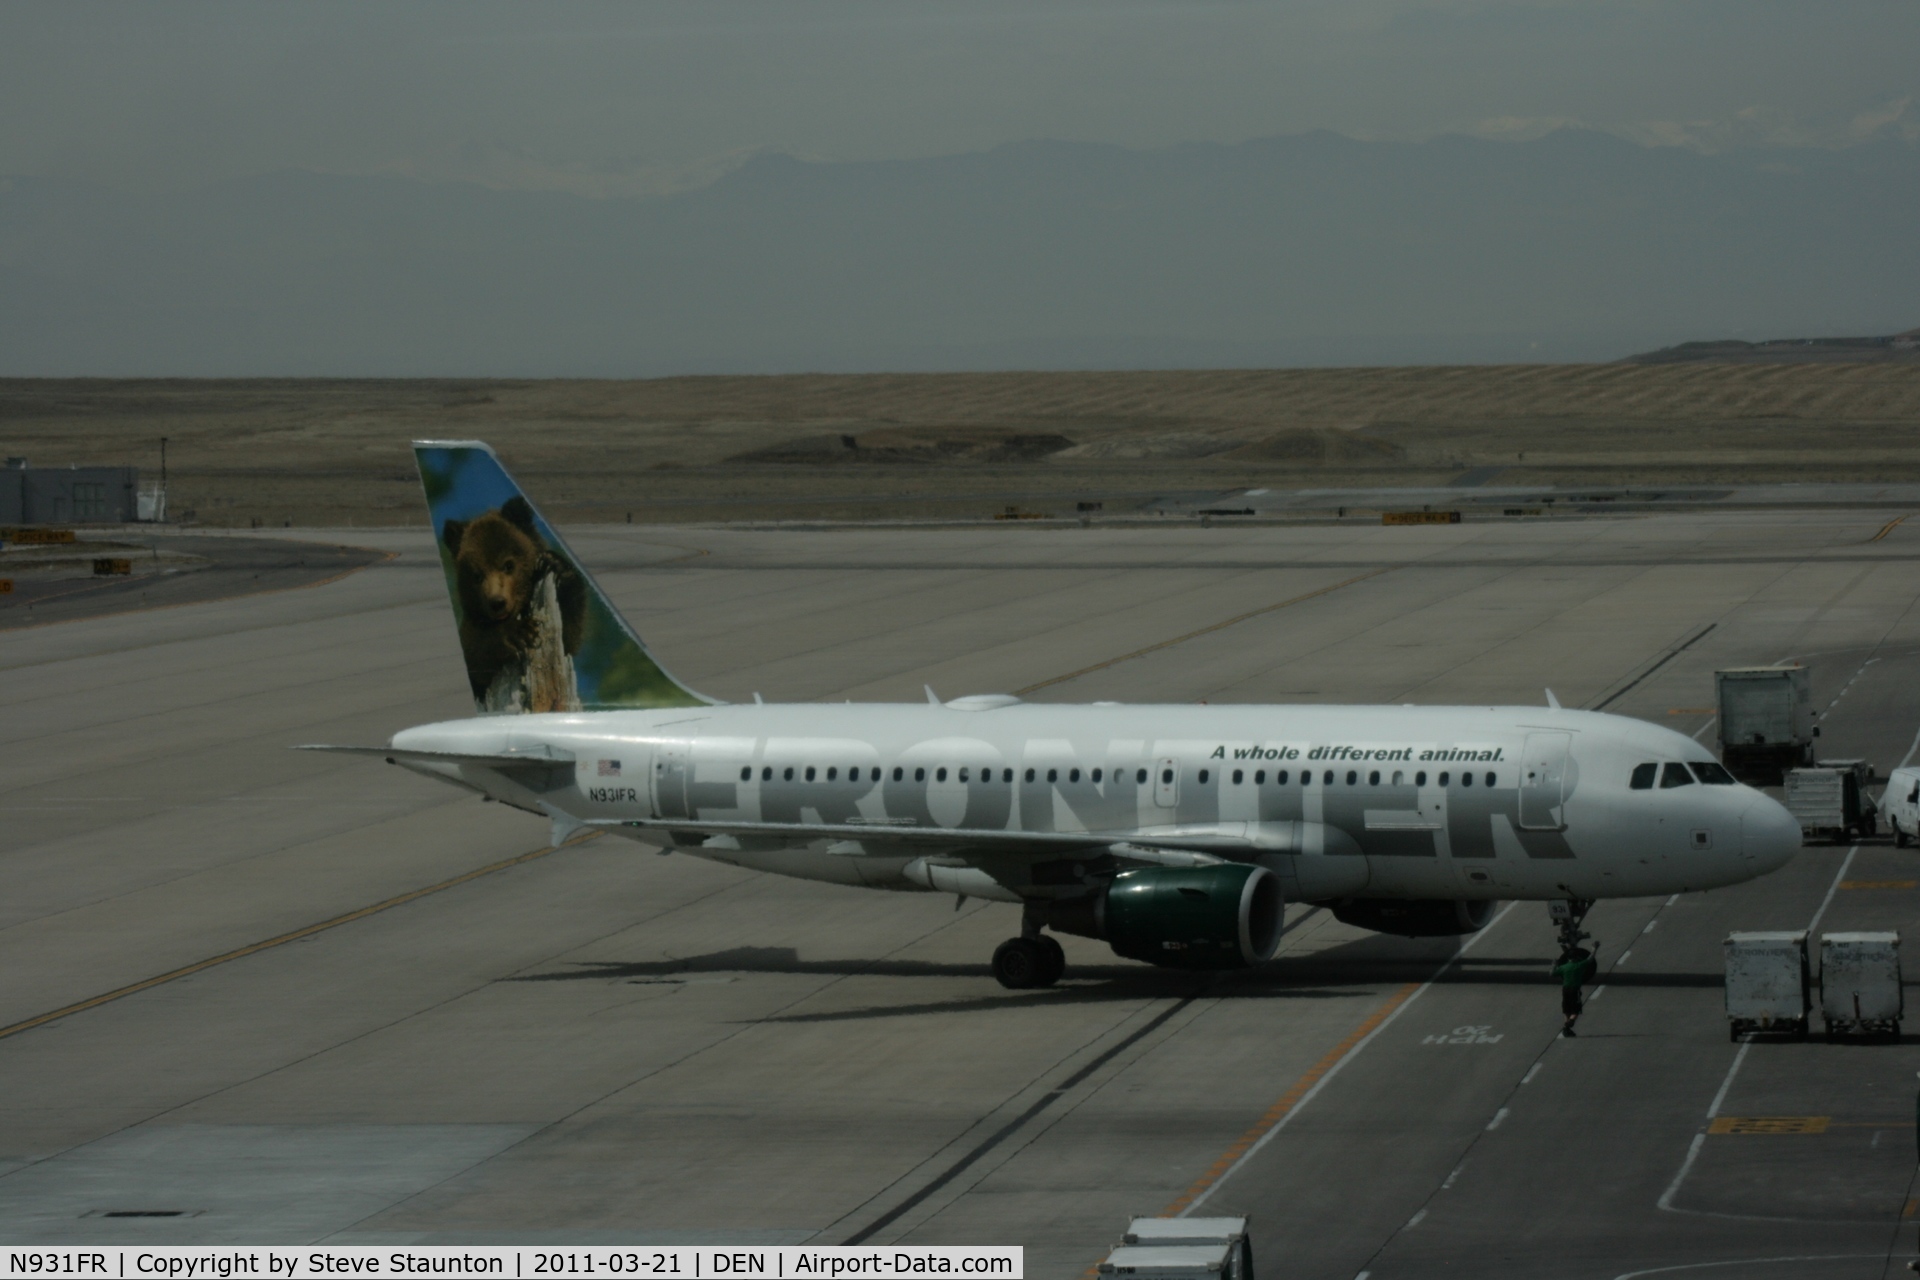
(1574,969)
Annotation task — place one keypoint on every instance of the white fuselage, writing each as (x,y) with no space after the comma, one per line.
(1341,801)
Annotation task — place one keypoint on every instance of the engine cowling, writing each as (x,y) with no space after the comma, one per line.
(1415,917)
(1224,916)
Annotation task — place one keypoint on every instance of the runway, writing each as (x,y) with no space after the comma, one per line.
(267,1029)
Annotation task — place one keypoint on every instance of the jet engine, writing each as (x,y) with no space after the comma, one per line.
(1223,916)
(1415,917)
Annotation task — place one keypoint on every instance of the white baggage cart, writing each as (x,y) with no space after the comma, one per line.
(1216,1261)
(1182,1248)
(1767,983)
(1860,991)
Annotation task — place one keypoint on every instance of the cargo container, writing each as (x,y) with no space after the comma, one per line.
(1173,1262)
(1860,992)
(1767,983)
(1831,799)
(1766,721)
(1179,1248)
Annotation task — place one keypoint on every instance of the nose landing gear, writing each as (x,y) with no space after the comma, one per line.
(1568,914)
(1031,960)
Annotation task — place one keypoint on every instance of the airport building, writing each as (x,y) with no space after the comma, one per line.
(72,495)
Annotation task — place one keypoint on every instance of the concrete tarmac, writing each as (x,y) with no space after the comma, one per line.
(282,997)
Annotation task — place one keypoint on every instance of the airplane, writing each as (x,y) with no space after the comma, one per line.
(1174,833)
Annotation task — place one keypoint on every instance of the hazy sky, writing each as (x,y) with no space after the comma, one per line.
(640,96)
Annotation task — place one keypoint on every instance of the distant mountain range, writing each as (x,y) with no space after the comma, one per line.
(1308,249)
(1898,346)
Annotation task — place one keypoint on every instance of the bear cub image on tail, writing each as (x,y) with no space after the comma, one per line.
(522,609)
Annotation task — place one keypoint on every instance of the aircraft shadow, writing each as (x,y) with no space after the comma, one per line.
(1344,972)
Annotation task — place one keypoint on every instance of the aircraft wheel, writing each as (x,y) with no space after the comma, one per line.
(1056,961)
(1021,963)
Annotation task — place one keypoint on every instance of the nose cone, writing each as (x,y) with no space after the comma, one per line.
(1769,835)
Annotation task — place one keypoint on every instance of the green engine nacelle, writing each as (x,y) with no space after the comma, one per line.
(1216,917)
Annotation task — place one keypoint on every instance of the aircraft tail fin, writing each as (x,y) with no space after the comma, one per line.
(536,630)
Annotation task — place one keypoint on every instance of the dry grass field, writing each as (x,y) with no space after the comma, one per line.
(320,452)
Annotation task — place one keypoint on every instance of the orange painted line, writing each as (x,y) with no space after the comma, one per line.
(1289,1100)
(1890,526)
(254,948)
(1194,635)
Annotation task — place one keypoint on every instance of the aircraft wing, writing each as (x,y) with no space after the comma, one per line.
(873,832)
(1176,845)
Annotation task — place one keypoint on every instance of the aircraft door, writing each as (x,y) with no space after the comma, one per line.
(1543,778)
(1166,782)
(670,770)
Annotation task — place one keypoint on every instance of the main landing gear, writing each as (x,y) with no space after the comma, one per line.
(1031,960)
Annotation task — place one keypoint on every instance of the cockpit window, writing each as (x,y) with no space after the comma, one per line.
(1643,775)
(1712,773)
(1675,775)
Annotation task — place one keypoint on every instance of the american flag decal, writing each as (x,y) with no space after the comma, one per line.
(609,768)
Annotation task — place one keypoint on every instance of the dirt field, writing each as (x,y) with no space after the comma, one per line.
(970,445)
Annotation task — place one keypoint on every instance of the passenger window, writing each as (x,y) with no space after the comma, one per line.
(1029,775)
(1238,777)
(898,773)
(1489,779)
(1399,778)
(1712,773)
(1675,775)
(1096,775)
(920,774)
(787,775)
(1466,779)
(1053,775)
(1326,779)
(963,775)
(1203,775)
(1166,775)
(746,774)
(1353,776)
(1259,776)
(1443,778)
(1643,775)
(766,774)
(833,772)
(1420,778)
(809,773)
(1373,779)
(1280,778)
(1140,777)
(940,774)
(1073,775)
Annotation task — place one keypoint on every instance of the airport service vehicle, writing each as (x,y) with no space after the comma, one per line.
(1767,983)
(1860,993)
(1173,833)
(1831,800)
(1766,721)
(1900,805)
(1183,1249)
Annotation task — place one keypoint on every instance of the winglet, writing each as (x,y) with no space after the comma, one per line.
(1553,701)
(933,698)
